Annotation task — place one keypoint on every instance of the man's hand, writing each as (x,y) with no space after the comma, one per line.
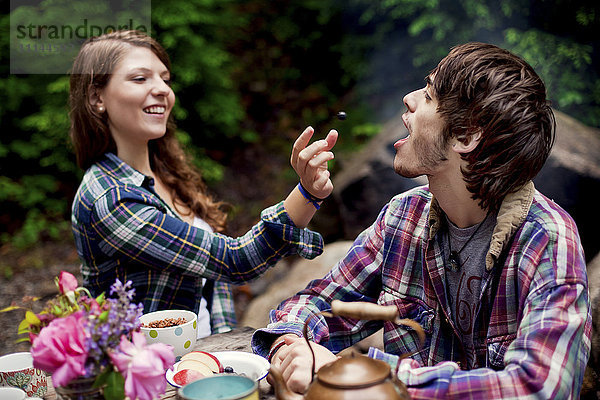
(310,162)
(295,361)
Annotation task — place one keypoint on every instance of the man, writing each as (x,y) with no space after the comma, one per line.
(491,269)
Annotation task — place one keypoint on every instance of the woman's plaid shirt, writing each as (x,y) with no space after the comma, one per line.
(124,230)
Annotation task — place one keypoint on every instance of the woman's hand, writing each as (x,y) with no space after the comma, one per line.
(295,362)
(310,162)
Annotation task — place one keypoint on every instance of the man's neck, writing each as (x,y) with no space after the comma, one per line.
(457,202)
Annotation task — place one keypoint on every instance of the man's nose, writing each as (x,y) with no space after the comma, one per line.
(409,101)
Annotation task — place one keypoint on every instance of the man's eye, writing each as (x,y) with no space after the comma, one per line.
(167,81)
(427,97)
(139,79)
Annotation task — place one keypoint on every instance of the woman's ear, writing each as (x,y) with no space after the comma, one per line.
(95,99)
(468,144)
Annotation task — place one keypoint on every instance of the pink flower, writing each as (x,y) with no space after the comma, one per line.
(143,366)
(66,282)
(60,349)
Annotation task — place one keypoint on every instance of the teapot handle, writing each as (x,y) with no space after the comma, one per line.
(371,311)
(364,310)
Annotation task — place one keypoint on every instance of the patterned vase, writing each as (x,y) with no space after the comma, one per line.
(79,389)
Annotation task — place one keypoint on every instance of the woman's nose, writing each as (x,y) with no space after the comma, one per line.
(161,88)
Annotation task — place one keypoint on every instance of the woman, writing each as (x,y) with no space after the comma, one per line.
(142,212)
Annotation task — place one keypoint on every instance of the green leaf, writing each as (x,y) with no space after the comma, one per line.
(103,317)
(31,318)
(115,384)
(102,378)
(100,299)
(10,308)
(23,327)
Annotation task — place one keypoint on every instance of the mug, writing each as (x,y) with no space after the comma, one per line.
(224,387)
(16,370)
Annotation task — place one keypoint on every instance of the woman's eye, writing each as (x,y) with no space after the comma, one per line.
(167,81)
(139,79)
(427,97)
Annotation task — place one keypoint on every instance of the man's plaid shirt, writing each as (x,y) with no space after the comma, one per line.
(533,325)
(124,230)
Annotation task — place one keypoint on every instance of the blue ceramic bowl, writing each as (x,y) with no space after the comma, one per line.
(222,387)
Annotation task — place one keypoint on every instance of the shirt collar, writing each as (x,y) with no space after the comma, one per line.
(122,171)
(512,213)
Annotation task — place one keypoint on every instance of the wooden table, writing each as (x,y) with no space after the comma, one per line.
(236,340)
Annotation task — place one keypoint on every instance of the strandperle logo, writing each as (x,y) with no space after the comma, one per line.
(45,36)
(82,31)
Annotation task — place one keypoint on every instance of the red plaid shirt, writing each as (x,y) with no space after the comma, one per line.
(533,324)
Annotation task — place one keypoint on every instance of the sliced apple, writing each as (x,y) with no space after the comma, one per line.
(195,365)
(206,358)
(186,376)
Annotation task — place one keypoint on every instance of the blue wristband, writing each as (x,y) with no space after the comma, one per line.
(311,199)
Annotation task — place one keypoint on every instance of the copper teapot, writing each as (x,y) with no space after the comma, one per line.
(354,376)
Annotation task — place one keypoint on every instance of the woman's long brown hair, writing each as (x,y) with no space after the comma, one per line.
(91,135)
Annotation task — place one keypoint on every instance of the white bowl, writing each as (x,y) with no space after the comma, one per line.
(251,365)
(181,337)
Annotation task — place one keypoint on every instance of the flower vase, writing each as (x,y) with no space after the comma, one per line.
(79,389)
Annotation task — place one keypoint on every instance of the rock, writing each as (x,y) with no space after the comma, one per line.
(289,278)
(292,278)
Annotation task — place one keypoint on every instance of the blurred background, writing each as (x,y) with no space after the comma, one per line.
(249,75)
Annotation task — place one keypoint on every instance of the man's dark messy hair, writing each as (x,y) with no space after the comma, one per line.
(483,88)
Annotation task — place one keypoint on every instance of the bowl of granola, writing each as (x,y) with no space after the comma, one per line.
(175,327)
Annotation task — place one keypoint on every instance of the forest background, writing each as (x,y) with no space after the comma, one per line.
(249,75)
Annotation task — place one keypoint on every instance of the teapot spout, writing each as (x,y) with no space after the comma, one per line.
(281,390)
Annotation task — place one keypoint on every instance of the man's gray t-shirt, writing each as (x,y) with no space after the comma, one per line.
(463,285)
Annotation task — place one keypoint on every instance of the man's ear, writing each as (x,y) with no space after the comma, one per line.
(469,143)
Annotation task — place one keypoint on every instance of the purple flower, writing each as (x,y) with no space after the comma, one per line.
(143,366)
(125,296)
(60,349)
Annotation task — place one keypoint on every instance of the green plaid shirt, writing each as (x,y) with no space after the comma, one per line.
(124,230)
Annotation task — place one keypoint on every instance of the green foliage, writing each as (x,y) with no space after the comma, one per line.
(569,85)
(558,38)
